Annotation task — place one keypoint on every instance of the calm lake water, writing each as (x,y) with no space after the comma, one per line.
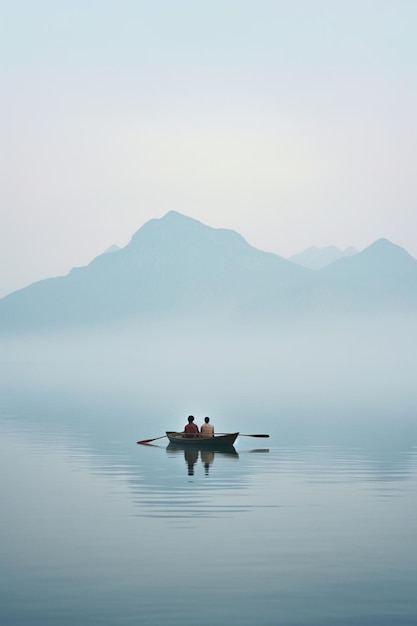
(314,526)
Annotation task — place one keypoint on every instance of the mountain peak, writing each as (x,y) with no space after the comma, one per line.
(316,258)
(381,260)
(174,215)
(385,249)
(175,230)
(385,244)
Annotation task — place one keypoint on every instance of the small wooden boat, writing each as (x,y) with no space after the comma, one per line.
(218,442)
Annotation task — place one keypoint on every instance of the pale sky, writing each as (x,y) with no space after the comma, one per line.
(293,122)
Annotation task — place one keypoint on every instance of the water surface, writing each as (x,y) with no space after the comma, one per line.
(98,530)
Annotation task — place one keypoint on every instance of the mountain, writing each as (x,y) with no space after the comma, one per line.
(172,266)
(178,268)
(315,258)
(383,277)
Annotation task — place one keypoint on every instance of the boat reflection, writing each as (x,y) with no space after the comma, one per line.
(207,458)
(191,456)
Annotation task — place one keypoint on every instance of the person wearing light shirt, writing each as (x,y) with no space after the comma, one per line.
(207,429)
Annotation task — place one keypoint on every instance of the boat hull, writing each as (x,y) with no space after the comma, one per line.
(218,442)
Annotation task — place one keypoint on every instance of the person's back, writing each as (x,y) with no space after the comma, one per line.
(191,429)
(207,429)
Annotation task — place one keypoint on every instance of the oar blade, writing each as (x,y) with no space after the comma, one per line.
(144,441)
(258,435)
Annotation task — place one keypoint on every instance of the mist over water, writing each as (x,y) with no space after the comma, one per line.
(315,525)
(334,367)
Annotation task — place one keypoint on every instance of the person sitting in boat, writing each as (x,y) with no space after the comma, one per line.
(207,429)
(191,429)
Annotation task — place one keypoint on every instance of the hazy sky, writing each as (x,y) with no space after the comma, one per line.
(292,122)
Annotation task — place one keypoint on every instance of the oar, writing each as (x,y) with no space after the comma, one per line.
(241,435)
(149,440)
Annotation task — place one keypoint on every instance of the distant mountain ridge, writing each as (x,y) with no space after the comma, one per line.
(176,266)
(316,258)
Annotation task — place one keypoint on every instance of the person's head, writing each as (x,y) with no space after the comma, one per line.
(207,419)
(191,419)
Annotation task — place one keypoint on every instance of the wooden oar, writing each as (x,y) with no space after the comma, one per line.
(241,435)
(149,440)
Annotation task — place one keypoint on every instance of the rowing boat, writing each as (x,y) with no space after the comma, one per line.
(218,442)
(186,440)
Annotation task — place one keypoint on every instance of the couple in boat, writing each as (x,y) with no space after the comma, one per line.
(191,429)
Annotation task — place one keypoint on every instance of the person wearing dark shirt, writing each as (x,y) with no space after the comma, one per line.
(191,429)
